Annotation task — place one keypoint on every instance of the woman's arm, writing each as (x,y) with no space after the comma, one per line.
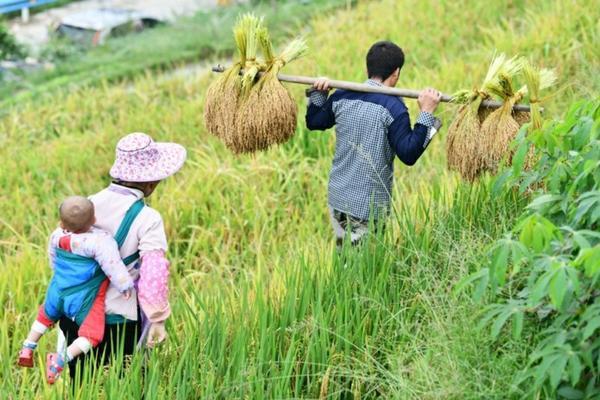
(153,288)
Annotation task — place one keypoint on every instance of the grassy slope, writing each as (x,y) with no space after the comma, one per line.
(261,307)
(190,39)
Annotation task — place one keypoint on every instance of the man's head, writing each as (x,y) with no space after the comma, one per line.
(384,62)
(77,214)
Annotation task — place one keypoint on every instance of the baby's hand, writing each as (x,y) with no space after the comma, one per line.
(127,294)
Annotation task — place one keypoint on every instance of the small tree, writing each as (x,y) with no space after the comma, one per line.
(9,48)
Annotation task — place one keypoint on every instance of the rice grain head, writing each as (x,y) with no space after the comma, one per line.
(496,129)
(221,103)
(465,148)
(269,115)
(499,130)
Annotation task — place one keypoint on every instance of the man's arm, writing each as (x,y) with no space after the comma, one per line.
(319,114)
(409,144)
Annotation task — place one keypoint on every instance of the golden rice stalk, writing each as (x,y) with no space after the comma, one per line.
(221,103)
(503,125)
(266,45)
(269,115)
(252,28)
(499,130)
(536,81)
(501,84)
(222,96)
(464,146)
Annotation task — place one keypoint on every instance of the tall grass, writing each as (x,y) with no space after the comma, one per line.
(263,307)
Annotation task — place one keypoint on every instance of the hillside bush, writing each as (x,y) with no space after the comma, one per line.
(545,274)
(9,48)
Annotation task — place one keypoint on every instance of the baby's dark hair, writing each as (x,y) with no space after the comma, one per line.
(383,59)
(77,214)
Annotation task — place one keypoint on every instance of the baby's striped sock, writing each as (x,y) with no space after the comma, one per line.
(30,345)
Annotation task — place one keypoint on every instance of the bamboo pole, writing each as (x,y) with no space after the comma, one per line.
(360,87)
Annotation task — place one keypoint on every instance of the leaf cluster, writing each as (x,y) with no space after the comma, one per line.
(544,275)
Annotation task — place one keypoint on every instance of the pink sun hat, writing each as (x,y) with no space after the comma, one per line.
(141,159)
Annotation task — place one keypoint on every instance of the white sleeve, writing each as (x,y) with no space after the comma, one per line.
(51,254)
(52,244)
(152,236)
(106,253)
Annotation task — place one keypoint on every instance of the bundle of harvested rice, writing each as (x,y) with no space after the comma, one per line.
(253,111)
(503,125)
(223,95)
(464,144)
(268,115)
(500,127)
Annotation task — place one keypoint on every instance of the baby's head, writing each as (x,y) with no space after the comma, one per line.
(77,214)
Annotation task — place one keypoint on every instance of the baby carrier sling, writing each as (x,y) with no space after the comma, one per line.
(77,279)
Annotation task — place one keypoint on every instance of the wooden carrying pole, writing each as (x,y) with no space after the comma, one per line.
(360,87)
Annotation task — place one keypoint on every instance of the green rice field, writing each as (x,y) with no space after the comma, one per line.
(263,306)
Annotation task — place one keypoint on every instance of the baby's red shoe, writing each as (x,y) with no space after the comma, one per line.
(53,369)
(26,357)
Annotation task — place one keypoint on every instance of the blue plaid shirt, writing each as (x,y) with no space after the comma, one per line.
(371,129)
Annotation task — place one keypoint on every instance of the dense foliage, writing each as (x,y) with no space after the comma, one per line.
(9,48)
(546,271)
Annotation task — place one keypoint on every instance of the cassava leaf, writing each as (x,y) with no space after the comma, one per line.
(558,287)
(517,324)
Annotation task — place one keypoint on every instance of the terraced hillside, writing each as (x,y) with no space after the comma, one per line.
(262,305)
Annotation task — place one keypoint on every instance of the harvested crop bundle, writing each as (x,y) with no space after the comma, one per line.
(222,97)
(221,103)
(268,115)
(248,108)
(499,129)
(464,147)
(502,126)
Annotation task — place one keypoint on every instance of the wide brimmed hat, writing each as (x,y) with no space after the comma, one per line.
(140,159)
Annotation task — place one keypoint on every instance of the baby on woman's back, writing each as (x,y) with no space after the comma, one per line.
(83,259)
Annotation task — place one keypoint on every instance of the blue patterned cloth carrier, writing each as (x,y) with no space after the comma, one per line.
(76,280)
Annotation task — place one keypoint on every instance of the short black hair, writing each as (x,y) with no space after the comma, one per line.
(383,59)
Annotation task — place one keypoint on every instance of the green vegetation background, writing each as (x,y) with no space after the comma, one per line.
(262,307)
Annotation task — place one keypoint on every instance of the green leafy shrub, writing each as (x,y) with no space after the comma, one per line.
(545,273)
(9,48)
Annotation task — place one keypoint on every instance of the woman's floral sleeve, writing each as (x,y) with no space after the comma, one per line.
(153,289)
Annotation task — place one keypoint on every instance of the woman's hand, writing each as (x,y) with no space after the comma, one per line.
(156,334)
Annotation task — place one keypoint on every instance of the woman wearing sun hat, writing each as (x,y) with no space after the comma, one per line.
(140,165)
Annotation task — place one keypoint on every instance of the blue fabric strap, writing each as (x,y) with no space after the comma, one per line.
(130,216)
